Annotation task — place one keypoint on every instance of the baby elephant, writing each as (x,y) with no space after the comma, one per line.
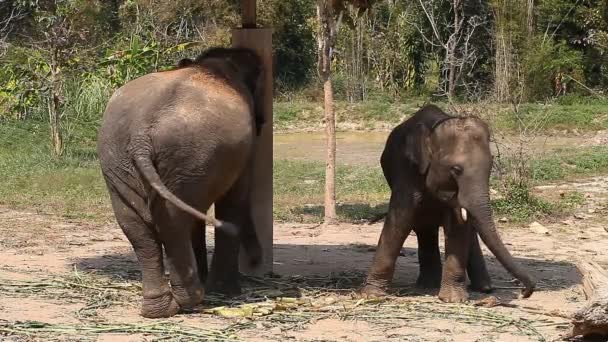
(171,144)
(438,168)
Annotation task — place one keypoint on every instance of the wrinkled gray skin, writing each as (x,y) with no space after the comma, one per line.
(436,165)
(171,144)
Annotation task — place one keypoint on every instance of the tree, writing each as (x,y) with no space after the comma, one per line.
(330,14)
(10,14)
(454,25)
(59,27)
(293,41)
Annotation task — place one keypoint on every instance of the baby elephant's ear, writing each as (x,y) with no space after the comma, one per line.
(418,148)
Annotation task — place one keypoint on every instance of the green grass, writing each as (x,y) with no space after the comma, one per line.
(299,187)
(587,115)
(72,185)
(569,163)
(302,115)
(31,178)
(519,204)
(592,115)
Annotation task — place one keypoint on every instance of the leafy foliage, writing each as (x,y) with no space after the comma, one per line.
(385,51)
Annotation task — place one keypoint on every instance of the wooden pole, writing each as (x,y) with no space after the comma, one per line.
(248,13)
(260,40)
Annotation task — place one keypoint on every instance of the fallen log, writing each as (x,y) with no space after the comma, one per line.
(592,320)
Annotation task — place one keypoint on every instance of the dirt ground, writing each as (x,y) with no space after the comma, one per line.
(81,280)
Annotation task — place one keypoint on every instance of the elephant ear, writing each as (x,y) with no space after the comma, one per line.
(250,66)
(258,102)
(418,149)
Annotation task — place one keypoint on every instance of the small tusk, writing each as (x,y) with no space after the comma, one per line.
(463,214)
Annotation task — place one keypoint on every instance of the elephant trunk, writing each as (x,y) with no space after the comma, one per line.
(483,222)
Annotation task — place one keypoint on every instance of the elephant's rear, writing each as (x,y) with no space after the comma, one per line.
(170,144)
(122,118)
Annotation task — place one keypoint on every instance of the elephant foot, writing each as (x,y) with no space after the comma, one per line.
(482,286)
(160,307)
(229,288)
(372,291)
(188,297)
(428,282)
(453,294)
(254,253)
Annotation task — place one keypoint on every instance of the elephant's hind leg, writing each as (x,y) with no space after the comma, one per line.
(175,229)
(429,256)
(158,300)
(476,269)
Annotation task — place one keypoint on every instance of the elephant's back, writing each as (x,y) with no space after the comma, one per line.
(208,129)
(186,115)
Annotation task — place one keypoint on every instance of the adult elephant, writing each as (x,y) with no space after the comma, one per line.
(438,169)
(171,144)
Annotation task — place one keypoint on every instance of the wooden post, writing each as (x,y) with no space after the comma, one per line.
(248,13)
(260,40)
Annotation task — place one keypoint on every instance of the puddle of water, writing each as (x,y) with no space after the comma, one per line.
(365,148)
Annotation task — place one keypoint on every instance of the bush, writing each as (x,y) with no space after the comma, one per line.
(542,64)
(520,204)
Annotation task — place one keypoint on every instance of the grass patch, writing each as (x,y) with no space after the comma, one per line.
(72,185)
(588,115)
(519,204)
(299,187)
(31,178)
(309,115)
(583,116)
(362,192)
(570,162)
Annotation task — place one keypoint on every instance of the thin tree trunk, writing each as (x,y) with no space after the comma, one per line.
(330,165)
(530,18)
(54,105)
(451,70)
(326,39)
(502,57)
(452,50)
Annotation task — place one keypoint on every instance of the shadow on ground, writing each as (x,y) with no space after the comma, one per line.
(343,268)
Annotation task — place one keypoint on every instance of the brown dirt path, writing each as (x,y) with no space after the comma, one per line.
(36,248)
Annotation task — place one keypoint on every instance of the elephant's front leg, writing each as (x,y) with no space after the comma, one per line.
(397,227)
(199,246)
(224,274)
(429,256)
(477,270)
(235,207)
(457,244)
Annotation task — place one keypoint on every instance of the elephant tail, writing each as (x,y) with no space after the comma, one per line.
(145,166)
(376,218)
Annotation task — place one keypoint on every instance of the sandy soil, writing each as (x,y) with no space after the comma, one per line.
(35,247)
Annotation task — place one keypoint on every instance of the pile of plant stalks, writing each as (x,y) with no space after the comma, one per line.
(272,302)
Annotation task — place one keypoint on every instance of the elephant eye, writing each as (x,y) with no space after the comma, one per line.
(456,170)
